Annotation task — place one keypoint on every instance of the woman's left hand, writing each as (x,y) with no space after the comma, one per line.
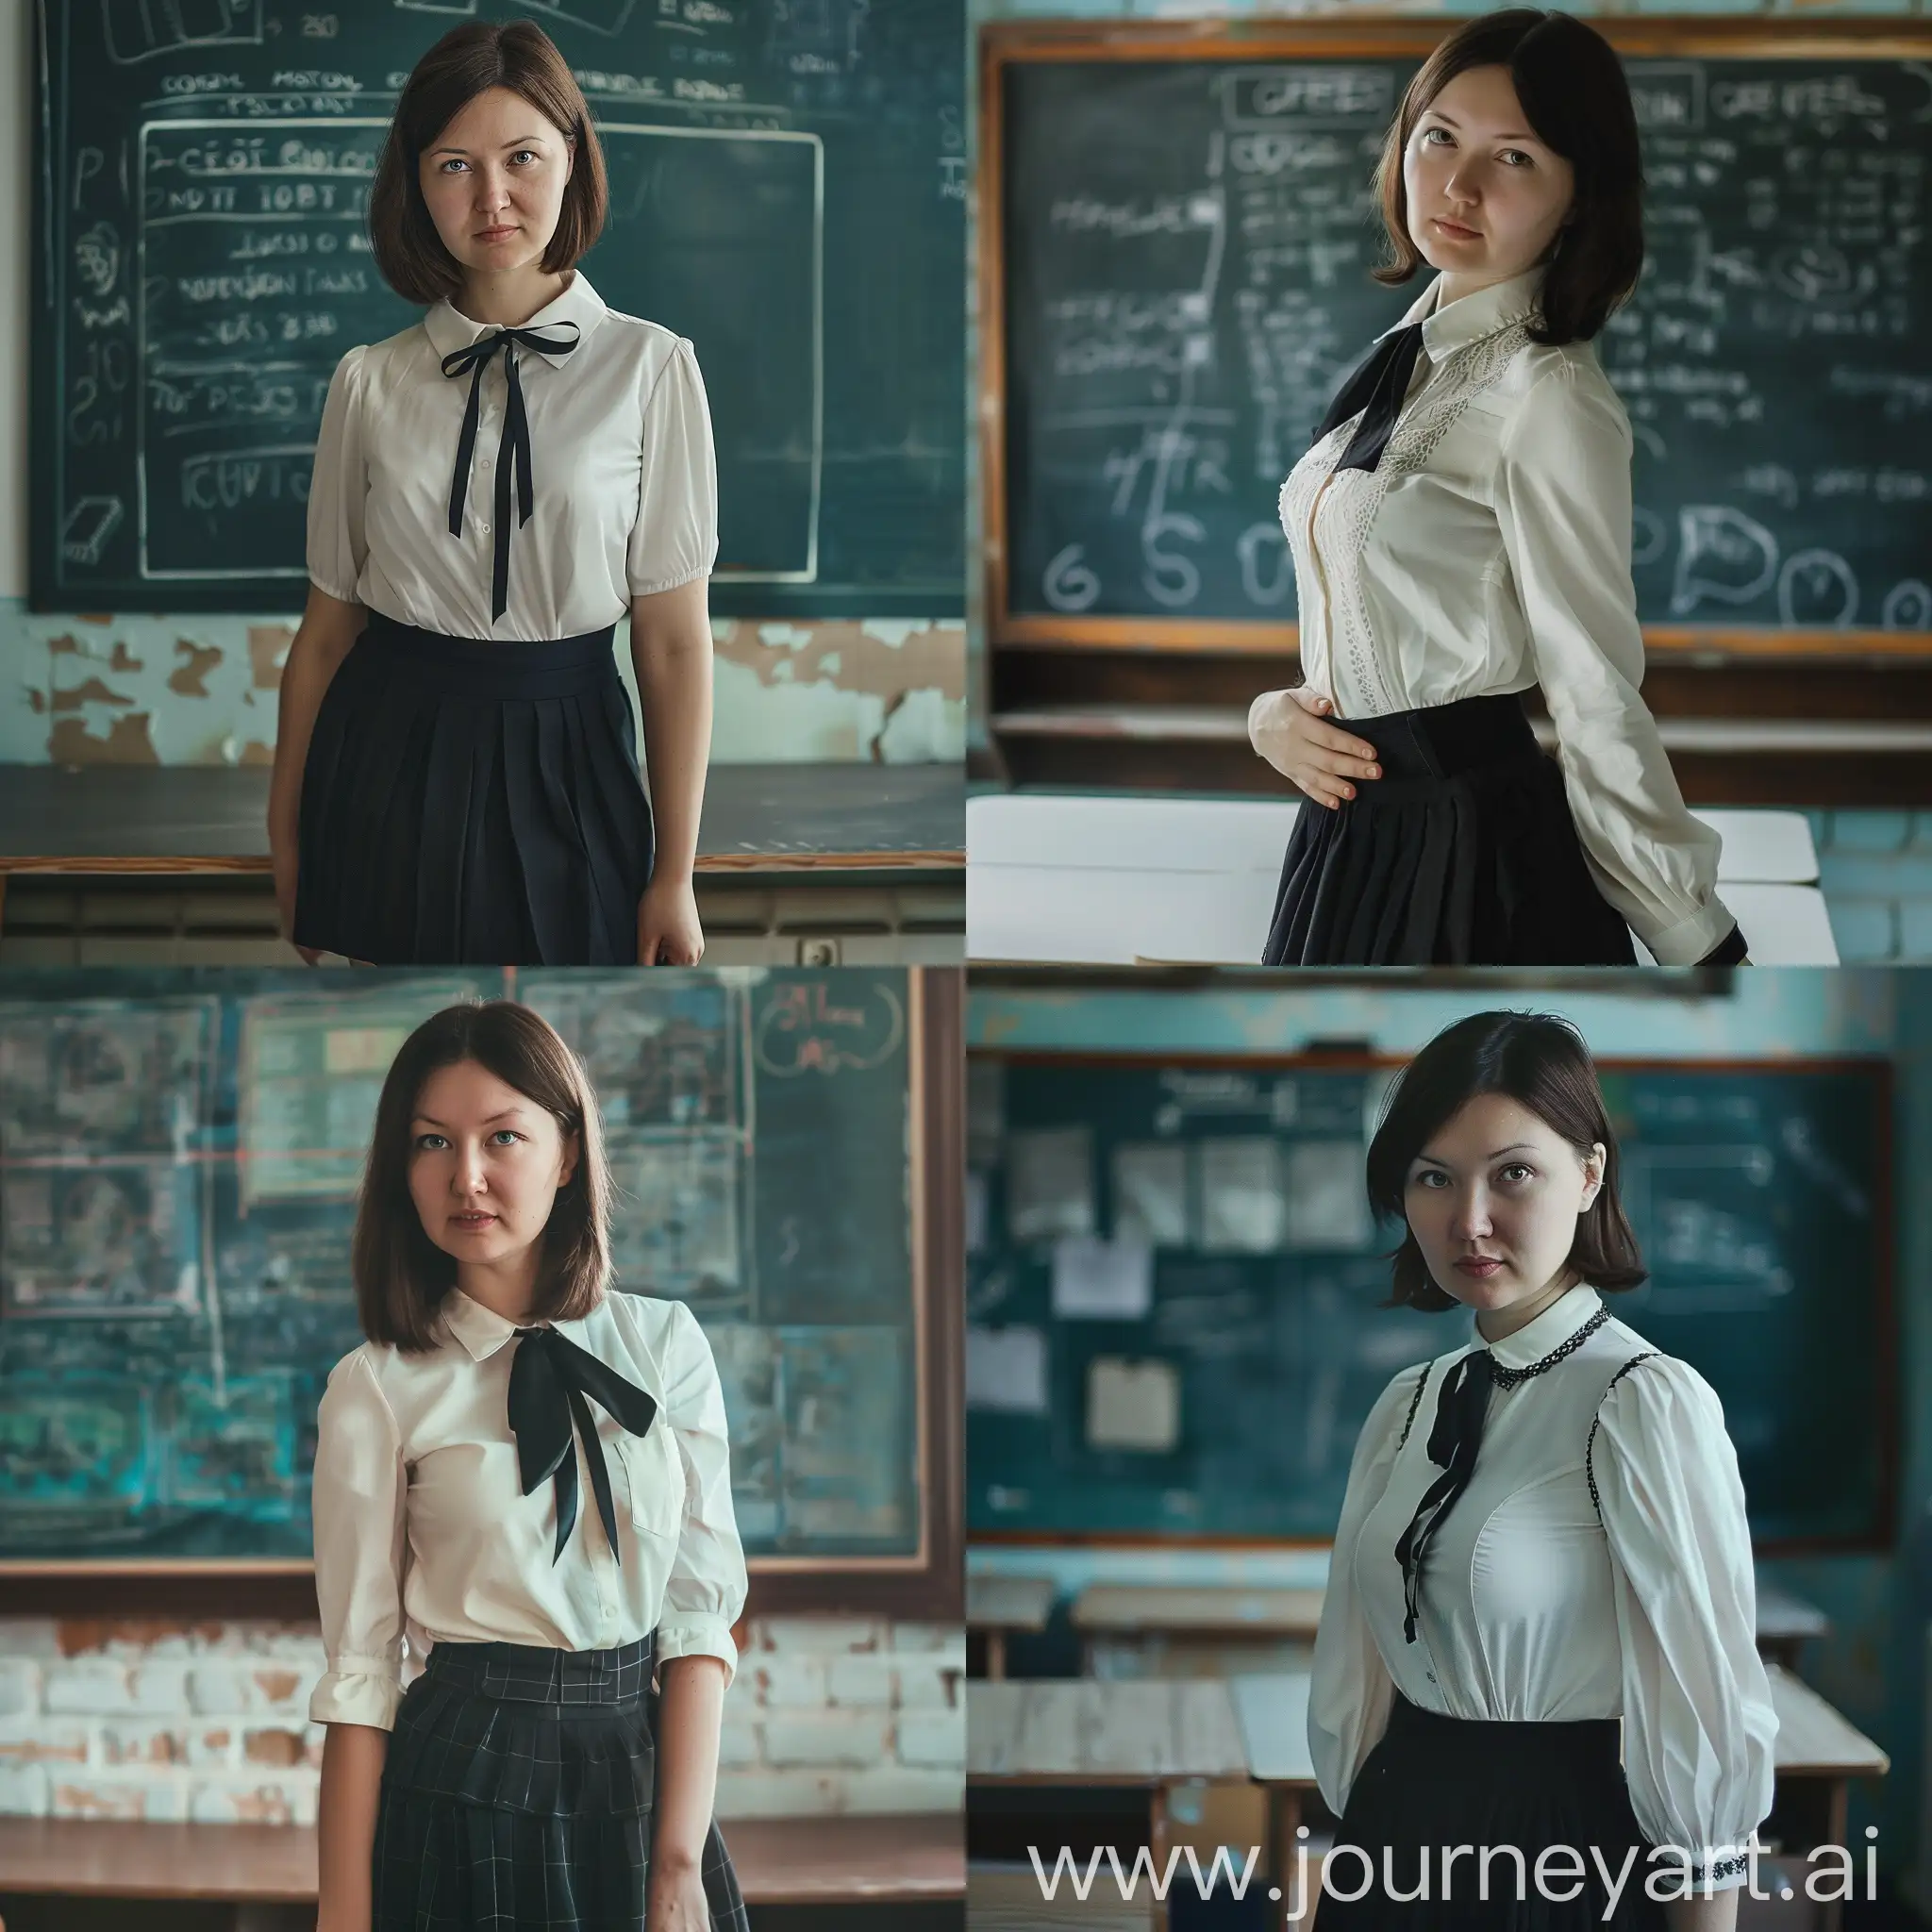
(668,929)
(675,1900)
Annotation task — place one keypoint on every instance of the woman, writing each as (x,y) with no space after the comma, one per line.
(1460,531)
(1543,1533)
(456,775)
(533,1779)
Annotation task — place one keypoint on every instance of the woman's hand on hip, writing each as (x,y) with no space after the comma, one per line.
(674,1900)
(668,929)
(1286,727)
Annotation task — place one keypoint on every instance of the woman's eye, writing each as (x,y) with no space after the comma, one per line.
(504,1136)
(1515,157)
(431,1144)
(1429,134)
(525,154)
(1430,1179)
(1516,1170)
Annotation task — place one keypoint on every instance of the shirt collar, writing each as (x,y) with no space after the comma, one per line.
(483,1331)
(450,329)
(1551,1329)
(1450,326)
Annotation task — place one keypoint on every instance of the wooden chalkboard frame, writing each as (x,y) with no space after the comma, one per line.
(1004,45)
(930,1582)
(1881,1532)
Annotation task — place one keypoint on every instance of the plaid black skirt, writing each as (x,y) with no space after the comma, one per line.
(517,1796)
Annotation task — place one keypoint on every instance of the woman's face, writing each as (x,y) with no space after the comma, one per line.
(1492,1201)
(1486,197)
(485,1165)
(493,183)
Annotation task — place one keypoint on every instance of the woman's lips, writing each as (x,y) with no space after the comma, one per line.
(470,1224)
(1457,231)
(496,234)
(1478,1267)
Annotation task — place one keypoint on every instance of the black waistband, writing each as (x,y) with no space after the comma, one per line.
(494,668)
(1480,1742)
(1444,741)
(534,1673)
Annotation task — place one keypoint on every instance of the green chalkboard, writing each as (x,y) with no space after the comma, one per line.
(1179,310)
(1218,1391)
(787,189)
(178,1157)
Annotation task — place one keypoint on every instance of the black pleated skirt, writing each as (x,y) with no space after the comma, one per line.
(517,1796)
(1434,1782)
(1463,853)
(471,803)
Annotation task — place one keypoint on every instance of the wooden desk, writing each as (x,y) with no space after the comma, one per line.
(995,1605)
(758,819)
(779,1860)
(1786,1623)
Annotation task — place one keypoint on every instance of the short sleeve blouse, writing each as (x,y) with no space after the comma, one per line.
(625,474)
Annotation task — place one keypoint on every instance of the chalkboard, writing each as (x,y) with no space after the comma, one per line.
(1178,312)
(787,189)
(178,1157)
(1217,1390)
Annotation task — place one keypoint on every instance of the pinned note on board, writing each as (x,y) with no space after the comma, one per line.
(1102,1282)
(1006,1369)
(1133,1404)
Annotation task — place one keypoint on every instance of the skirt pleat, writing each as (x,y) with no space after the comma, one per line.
(517,1796)
(1434,1782)
(1463,853)
(471,803)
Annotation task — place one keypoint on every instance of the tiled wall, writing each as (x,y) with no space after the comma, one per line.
(209,1721)
(1876,871)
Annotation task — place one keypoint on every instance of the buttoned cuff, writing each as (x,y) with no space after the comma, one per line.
(697,1636)
(359,1690)
(1687,942)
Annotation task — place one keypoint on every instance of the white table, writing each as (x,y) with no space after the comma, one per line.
(1093,880)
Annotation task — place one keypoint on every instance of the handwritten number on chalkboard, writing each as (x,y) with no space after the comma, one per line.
(1070,584)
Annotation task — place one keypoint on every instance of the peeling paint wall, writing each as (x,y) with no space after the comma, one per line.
(201,690)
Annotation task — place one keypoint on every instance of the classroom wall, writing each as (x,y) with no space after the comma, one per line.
(1872,1665)
(209,1722)
(132,689)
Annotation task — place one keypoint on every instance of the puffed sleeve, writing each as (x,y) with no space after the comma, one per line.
(675,537)
(1698,1721)
(1563,501)
(361,1544)
(1350,1691)
(705,1596)
(339,487)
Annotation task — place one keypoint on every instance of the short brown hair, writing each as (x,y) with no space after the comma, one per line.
(1577,102)
(1540,1062)
(400,1275)
(469,60)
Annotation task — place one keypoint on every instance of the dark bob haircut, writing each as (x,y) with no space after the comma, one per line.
(1577,102)
(467,61)
(400,1275)
(1541,1062)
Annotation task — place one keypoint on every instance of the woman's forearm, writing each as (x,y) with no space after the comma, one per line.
(352,1760)
(671,651)
(328,629)
(1717,1913)
(690,1712)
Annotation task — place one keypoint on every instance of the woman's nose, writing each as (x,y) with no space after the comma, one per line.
(1472,1217)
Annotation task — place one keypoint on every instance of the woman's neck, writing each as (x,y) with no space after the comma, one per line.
(1496,1324)
(506,1288)
(509,300)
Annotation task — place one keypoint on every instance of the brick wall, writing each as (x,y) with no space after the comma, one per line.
(209,1721)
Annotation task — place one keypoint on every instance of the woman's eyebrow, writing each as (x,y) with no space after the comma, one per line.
(430,1120)
(1514,1147)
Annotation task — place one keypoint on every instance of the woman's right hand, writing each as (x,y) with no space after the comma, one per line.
(1321,760)
(284,861)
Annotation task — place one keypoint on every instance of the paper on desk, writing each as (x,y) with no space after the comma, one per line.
(1150,1193)
(1103,1281)
(1133,1404)
(1006,1369)
(1243,1212)
(1328,1195)
(1049,1183)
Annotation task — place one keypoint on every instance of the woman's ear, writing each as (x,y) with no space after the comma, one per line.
(572,1154)
(1594,1162)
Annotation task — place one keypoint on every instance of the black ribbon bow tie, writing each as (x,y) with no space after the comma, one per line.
(1376,390)
(548,1381)
(514,447)
(1454,1440)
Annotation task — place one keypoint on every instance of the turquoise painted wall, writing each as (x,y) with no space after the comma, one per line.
(1872,1665)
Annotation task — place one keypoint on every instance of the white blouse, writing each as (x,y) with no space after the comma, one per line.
(1541,1603)
(625,474)
(422,1527)
(1490,551)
